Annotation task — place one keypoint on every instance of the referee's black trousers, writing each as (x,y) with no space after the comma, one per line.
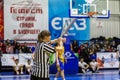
(37,78)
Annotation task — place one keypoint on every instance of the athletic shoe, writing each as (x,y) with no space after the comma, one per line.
(83,71)
(21,73)
(17,73)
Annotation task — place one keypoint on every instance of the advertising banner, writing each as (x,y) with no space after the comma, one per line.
(107,60)
(24,19)
(1,21)
(23,58)
(59,20)
(9,59)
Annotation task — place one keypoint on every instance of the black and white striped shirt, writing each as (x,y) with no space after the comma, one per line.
(40,66)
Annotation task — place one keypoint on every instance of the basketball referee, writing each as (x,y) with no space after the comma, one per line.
(40,68)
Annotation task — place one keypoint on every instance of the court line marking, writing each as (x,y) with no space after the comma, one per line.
(54,74)
(97,73)
(117,79)
(83,77)
(10,76)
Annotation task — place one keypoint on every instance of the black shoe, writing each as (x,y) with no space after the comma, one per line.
(93,71)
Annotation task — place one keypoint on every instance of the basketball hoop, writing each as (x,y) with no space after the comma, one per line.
(90,14)
(93,16)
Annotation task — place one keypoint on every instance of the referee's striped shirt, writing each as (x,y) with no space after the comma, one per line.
(40,66)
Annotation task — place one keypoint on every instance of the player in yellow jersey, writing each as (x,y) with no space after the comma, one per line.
(60,59)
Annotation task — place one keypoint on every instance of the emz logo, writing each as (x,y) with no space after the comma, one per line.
(57,23)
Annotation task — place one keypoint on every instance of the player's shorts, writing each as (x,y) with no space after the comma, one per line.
(119,59)
(61,66)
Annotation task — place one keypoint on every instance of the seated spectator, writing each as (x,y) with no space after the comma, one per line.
(83,66)
(109,49)
(7,42)
(29,50)
(3,47)
(94,66)
(28,66)
(16,46)
(9,48)
(92,54)
(24,48)
(0,58)
(102,49)
(18,68)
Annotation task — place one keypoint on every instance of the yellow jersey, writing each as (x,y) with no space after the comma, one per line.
(60,50)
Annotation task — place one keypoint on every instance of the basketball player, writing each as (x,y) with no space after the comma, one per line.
(60,59)
(118,55)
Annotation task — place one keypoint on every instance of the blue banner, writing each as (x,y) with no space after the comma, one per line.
(59,18)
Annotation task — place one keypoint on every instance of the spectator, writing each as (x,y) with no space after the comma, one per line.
(94,66)
(29,50)
(92,54)
(9,48)
(103,49)
(74,46)
(0,59)
(84,53)
(7,42)
(28,66)
(83,66)
(18,68)
(97,47)
(109,49)
(24,48)
(3,47)
(15,46)
(113,45)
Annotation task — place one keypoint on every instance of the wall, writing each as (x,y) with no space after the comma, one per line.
(107,27)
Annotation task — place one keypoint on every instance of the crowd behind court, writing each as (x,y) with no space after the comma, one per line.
(85,51)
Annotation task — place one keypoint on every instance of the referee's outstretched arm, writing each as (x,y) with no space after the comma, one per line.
(49,48)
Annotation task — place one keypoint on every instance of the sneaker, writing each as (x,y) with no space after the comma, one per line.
(87,70)
(83,71)
(17,73)
(21,72)
(93,71)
